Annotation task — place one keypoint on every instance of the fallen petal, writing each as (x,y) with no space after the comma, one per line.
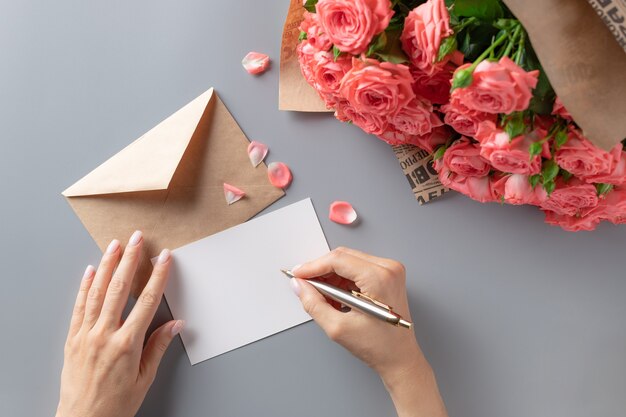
(342,212)
(232,194)
(255,62)
(279,174)
(257,152)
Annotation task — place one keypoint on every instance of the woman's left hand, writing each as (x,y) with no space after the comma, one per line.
(107,370)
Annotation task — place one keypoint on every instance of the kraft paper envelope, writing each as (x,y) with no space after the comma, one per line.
(169,183)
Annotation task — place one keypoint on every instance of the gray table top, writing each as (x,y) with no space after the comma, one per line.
(517,318)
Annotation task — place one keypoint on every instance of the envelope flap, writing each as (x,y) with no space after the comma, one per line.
(149,162)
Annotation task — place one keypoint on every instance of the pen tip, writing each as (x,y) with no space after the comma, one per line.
(287,272)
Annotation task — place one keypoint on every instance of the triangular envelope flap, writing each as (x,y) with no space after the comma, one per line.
(149,162)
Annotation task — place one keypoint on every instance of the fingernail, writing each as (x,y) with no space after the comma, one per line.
(113,246)
(164,256)
(295,286)
(89,271)
(135,238)
(295,268)
(177,327)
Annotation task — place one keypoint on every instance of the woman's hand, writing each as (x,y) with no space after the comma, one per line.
(107,370)
(391,351)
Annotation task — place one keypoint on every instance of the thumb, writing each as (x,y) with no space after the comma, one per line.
(316,305)
(157,344)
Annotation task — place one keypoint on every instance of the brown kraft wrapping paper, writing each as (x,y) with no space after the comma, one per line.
(566,35)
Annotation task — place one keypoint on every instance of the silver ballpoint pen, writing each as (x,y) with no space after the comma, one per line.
(355,299)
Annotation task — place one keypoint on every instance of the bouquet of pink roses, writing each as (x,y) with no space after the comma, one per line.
(461,80)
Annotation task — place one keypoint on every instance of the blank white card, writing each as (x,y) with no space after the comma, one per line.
(228,287)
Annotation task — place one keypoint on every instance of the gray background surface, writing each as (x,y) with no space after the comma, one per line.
(517,318)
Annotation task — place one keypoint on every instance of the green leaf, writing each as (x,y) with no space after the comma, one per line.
(448,45)
(378,44)
(515,125)
(309,5)
(336,52)
(535,148)
(543,94)
(302,36)
(566,175)
(603,189)
(506,24)
(475,39)
(549,187)
(482,9)
(439,152)
(550,171)
(392,51)
(394,59)
(534,180)
(560,138)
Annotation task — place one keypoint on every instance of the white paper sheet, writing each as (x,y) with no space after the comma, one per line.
(228,287)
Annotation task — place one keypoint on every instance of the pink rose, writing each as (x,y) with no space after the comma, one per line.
(482,189)
(328,73)
(559,110)
(572,223)
(498,87)
(416,118)
(314,33)
(462,119)
(571,198)
(351,24)
(508,155)
(306,58)
(380,88)
(612,207)
(517,191)
(424,29)
(368,122)
(617,176)
(432,140)
(582,158)
(428,142)
(436,87)
(463,158)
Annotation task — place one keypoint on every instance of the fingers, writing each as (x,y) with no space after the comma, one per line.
(100,283)
(119,287)
(157,344)
(317,307)
(338,262)
(392,265)
(81,299)
(370,274)
(140,317)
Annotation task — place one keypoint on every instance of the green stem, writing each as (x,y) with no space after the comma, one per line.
(487,51)
(464,24)
(514,37)
(520,50)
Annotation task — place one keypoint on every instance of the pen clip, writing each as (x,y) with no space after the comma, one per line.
(371,300)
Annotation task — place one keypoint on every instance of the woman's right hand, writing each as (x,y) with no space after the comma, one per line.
(391,351)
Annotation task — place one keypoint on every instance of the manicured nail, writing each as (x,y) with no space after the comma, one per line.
(177,327)
(113,246)
(164,256)
(295,268)
(89,272)
(135,238)
(295,286)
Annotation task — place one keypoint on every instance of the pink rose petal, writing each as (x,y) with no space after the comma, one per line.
(255,62)
(279,174)
(232,194)
(257,152)
(342,212)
